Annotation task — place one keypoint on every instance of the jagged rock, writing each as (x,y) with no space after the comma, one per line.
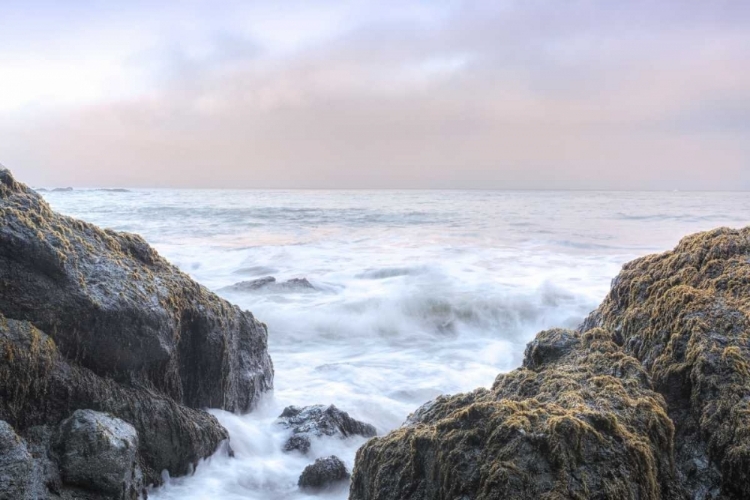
(99,452)
(318,421)
(113,305)
(324,473)
(16,465)
(269,283)
(685,314)
(579,420)
(38,386)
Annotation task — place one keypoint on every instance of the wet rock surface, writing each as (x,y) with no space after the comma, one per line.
(325,473)
(318,421)
(113,305)
(648,399)
(269,284)
(99,452)
(108,354)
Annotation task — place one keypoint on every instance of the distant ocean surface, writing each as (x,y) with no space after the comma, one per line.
(417,293)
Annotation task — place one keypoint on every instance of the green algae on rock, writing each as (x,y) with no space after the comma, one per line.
(578,420)
(685,314)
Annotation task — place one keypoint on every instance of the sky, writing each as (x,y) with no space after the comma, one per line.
(527,94)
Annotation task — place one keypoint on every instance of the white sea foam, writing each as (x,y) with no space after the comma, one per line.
(418,293)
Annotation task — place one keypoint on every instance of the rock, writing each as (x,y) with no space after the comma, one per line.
(62,190)
(269,284)
(99,452)
(16,465)
(324,473)
(650,398)
(579,420)
(38,386)
(318,421)
(114,306)
(685,314)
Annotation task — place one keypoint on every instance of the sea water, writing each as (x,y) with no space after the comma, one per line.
(416,293)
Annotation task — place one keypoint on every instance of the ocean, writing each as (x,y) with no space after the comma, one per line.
(415,293)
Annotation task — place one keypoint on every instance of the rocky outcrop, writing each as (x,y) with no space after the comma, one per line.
(325,473)
(650,399)
(113,305)
(578,417)
(108,355)
(99,453)
(318,421)
(685,314)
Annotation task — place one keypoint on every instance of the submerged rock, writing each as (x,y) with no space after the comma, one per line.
(319,421)
(324,473)
(269,283)
(115,306)
(99,452)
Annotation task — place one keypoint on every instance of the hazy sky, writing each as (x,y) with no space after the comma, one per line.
(507,94)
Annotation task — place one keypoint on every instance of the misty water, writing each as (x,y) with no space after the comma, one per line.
(417,293)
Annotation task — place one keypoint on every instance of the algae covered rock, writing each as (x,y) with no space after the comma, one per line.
(685,314)
(99,452)
(579,420)
(38,387)
(323,474)
(113,305)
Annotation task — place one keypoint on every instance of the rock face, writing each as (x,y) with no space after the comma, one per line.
(685,315)
(16,465)
(99,452)
(319,421)
(650,399)
(579,417)
(113,305)
(95,320)
(324,473)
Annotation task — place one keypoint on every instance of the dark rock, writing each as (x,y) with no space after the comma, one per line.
(62,190)
(99,452)
(38,386)
(113,305)
(324,473)
(269,284)
(318,421)
(16,465)
(298,442)
(685,314)
(578,421)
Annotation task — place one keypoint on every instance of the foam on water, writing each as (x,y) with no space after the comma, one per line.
(417,293)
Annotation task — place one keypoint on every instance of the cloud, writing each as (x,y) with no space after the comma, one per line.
(524,95)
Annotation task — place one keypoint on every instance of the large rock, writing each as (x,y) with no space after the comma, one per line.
(318,421)
(113,305)
(685,314)
(649,399)
(579,420)
(38,386)
(325,473)
(99,452)
(16,465)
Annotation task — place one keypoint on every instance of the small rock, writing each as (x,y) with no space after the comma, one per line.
(98,452)
(324,473)
(269,283)
(318,421)
(16,464)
